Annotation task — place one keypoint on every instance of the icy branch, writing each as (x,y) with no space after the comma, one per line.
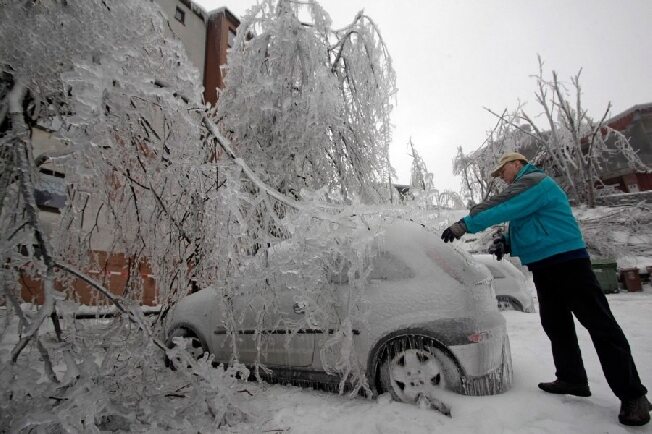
(226,146)
(21,144)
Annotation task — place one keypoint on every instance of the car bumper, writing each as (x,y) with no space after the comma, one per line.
(487,366)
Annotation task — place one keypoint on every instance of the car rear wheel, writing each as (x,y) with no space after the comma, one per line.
(508,303)
(413,368)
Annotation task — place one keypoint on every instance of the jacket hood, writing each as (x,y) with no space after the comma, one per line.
(528,168)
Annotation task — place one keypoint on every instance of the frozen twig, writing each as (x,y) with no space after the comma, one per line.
(434,404)
(511,123)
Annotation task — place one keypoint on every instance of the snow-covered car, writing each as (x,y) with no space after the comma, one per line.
(430,322)
(512,287)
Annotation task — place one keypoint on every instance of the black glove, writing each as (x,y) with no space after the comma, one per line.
(454,232)
(499,248)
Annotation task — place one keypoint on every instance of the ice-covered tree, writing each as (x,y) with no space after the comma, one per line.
(120,98)
(138,150)
(308,106)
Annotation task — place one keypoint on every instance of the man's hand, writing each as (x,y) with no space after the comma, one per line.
(454,232)
(499,247)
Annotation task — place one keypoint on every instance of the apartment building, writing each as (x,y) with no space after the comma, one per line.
(206,36)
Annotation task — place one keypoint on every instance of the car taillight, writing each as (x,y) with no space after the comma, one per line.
(479,337)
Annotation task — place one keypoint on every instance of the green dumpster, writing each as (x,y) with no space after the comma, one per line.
(605,269)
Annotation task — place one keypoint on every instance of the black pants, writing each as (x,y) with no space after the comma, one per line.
(572,288)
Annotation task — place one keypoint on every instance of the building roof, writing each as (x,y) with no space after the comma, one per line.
(226,12)
(622,120)
(204,15)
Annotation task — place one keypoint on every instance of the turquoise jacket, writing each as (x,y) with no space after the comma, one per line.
(541,221)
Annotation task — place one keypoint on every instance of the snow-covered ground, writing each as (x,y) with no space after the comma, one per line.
(524,409)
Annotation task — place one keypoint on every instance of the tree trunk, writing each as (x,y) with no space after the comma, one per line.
(590,188)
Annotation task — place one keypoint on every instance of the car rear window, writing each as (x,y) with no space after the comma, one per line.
(388,267)
(385,266)
(495,272)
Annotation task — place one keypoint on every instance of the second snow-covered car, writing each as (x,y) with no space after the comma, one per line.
(510,284)
(430,322)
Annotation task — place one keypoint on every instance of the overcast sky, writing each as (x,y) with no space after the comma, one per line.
(454,57)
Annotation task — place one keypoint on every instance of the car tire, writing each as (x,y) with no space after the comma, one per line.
(411,367)
(194,344)
(508,303)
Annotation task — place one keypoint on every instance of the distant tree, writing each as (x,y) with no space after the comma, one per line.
(475,168)
(449,199)
(475,183)
(421,180)
(420,177)
(425,197)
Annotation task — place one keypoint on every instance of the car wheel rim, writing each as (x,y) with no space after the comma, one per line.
(415,373)
(504,305)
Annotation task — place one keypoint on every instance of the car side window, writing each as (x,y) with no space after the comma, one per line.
(496,272)
(386,266)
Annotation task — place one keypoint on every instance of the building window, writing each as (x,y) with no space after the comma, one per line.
(632,188)
(180,15)
(231,38)
(50,190)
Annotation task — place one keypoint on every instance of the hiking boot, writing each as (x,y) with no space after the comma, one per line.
(635,412)
(562,387)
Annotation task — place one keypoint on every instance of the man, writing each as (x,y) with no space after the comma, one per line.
(544,234)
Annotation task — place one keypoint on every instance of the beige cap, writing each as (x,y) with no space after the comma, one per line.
(508,157)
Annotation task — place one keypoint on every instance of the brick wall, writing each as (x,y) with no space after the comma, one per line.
(111,271)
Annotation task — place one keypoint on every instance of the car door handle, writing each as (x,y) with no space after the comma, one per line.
(299,308)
